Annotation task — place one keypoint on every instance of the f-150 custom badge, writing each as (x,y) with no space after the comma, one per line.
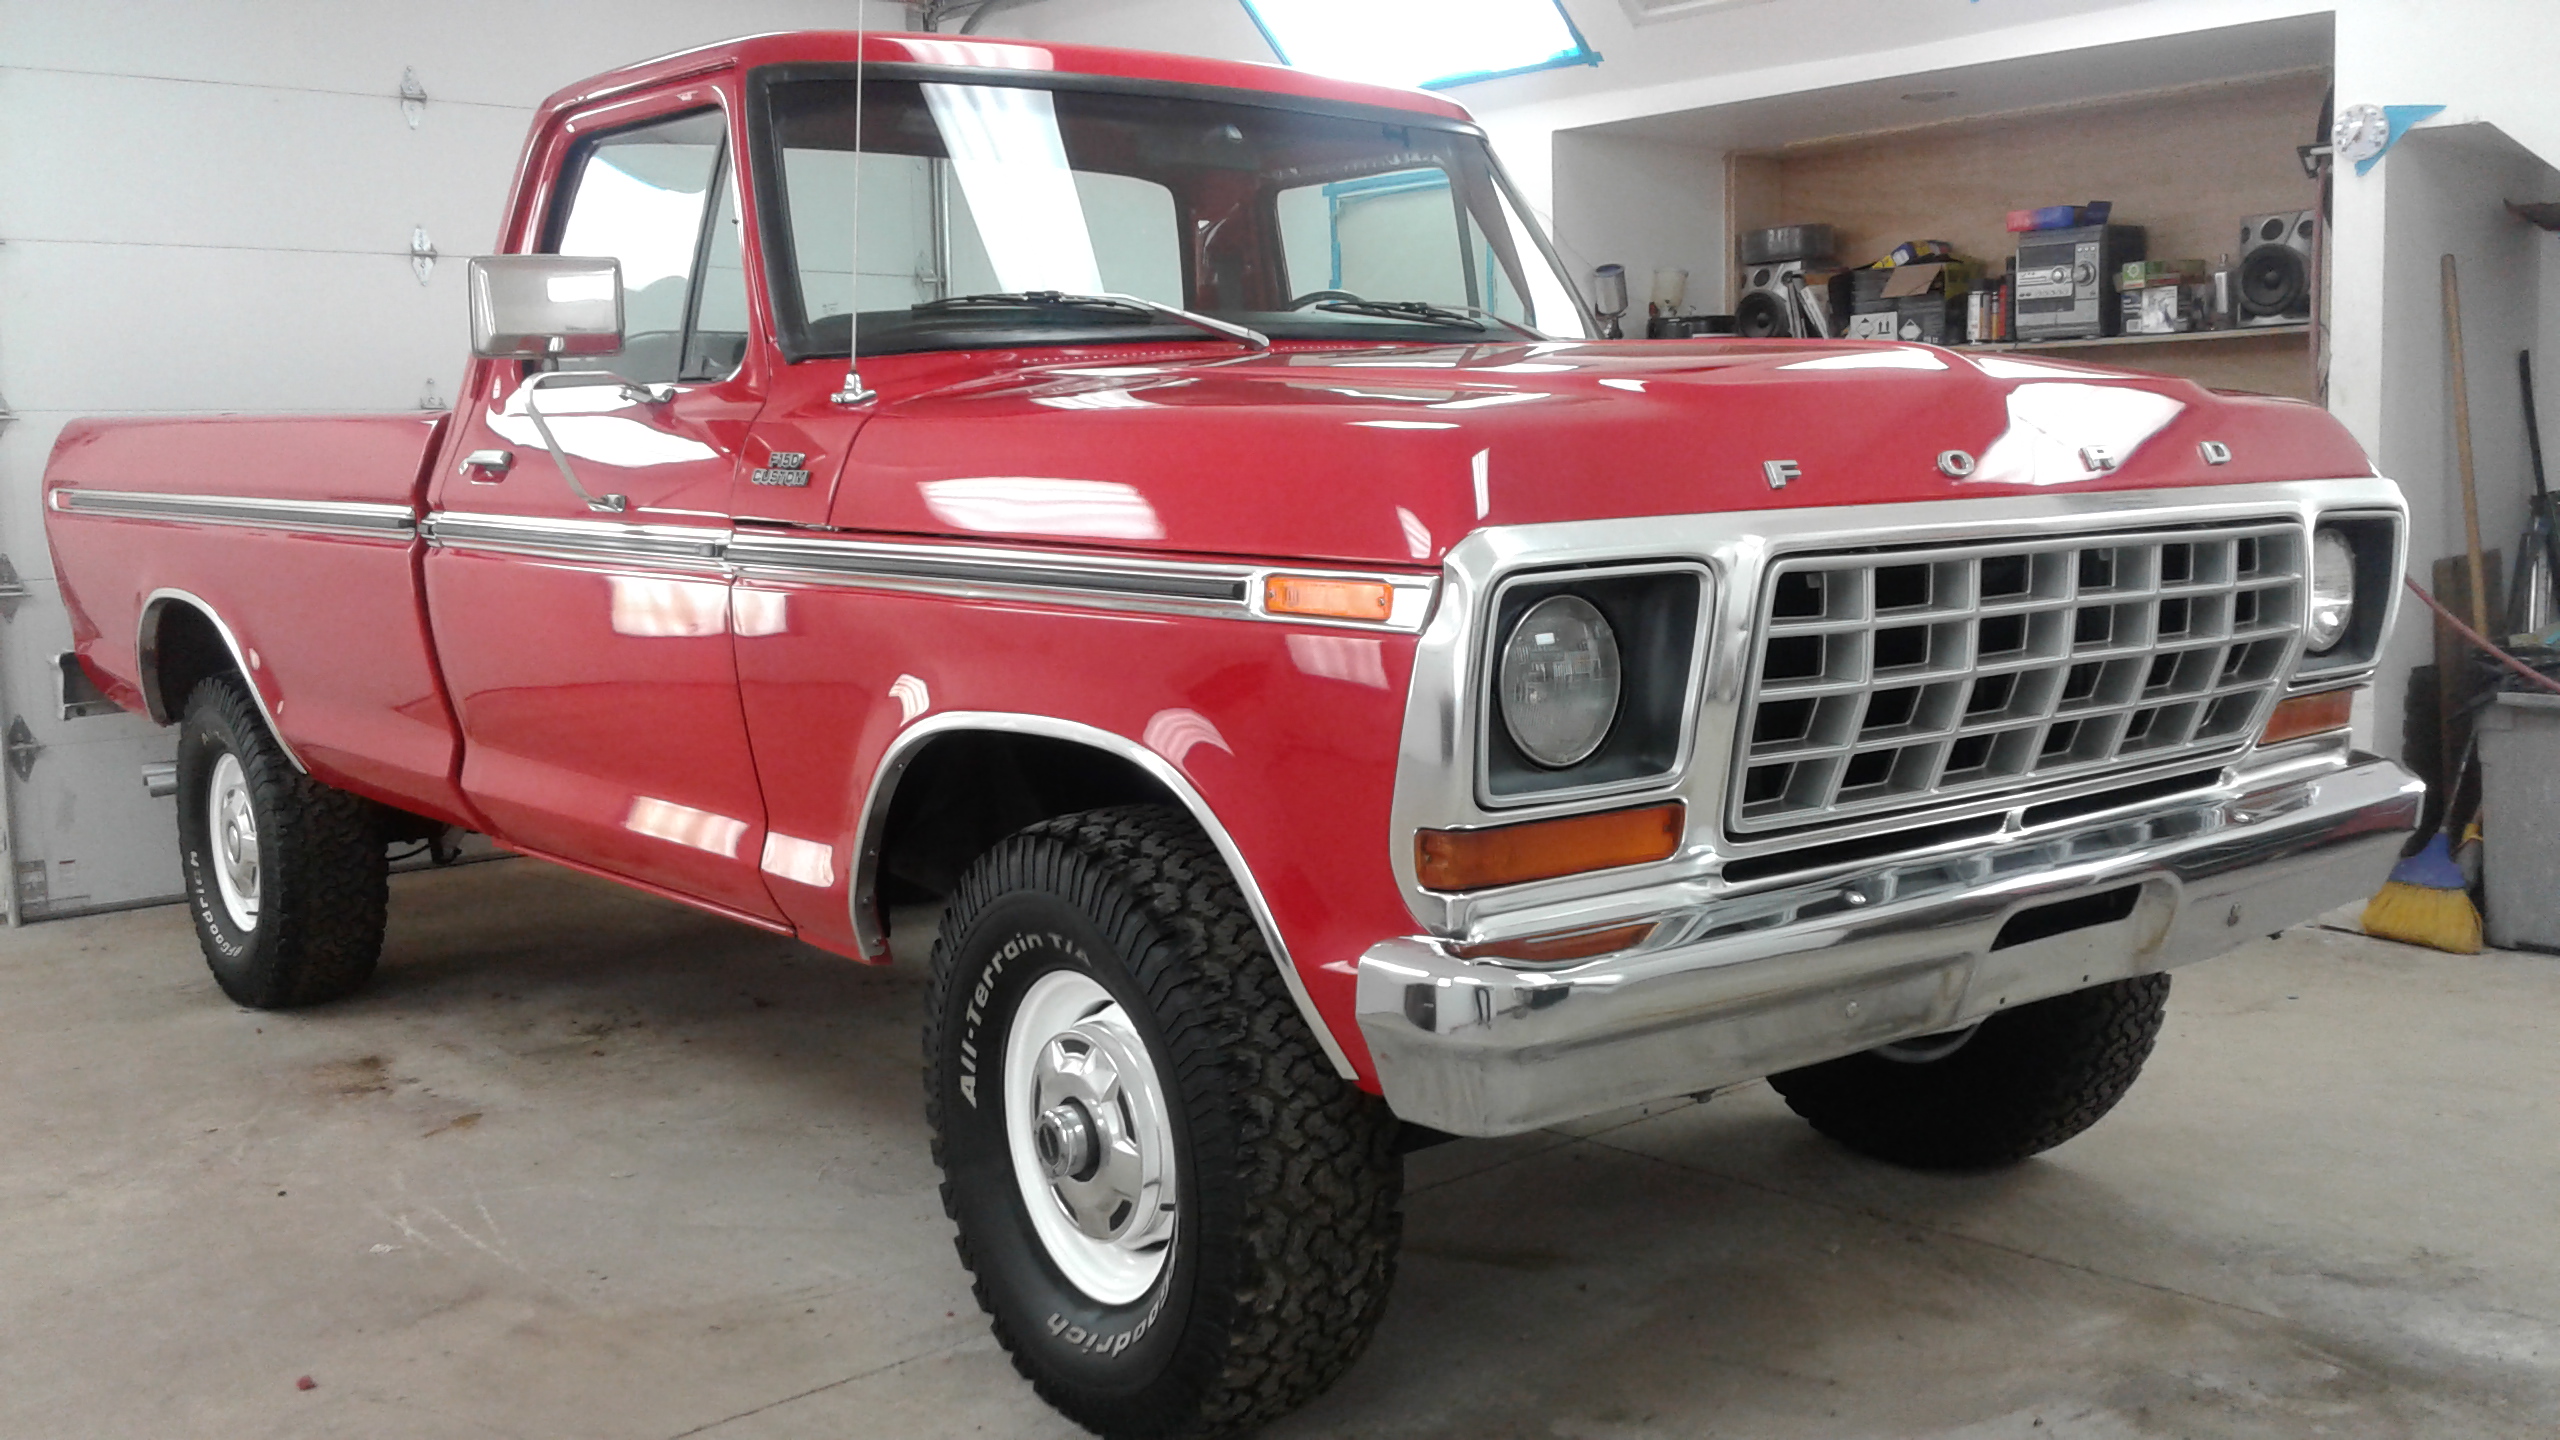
(784,467)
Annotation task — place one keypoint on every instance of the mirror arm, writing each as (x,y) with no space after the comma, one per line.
(606,504)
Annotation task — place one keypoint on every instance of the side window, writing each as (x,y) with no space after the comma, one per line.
(716,342)
(1382,237)
(641,196)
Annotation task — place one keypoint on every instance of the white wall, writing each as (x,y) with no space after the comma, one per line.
(208,207)
(1643,204)
(2390,375)
(2438,193)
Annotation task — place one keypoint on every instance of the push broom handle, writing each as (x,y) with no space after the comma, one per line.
(2462,445)
(2533,447)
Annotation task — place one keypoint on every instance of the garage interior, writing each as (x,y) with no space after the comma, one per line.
(586,1162)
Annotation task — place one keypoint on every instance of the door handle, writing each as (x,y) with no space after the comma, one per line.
(492,465)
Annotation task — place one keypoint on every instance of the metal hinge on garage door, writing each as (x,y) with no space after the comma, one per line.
(22,748)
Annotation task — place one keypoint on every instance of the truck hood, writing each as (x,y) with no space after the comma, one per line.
(1390,456)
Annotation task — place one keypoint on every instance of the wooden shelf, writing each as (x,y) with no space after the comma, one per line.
(2109,342)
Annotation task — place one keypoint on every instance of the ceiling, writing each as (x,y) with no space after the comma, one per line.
(2001,87)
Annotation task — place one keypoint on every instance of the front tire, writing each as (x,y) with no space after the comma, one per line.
(287,878)
(2020,1083)
(1180,1220)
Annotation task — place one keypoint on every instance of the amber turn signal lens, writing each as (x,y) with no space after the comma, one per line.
(1577,945)
(2309,715)
(1328,599)
(1545,849)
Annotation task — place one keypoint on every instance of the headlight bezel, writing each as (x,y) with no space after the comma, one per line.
(2374,538)
(1658,611)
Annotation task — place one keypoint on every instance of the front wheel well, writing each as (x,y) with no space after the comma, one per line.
(967,789)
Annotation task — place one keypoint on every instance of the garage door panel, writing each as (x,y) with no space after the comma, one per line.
(24,444)
(88,835)
(181,164)
(224,329)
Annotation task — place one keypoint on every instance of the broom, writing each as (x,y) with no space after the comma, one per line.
(2426,902)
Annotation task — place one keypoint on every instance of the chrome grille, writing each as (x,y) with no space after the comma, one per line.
(1893,679)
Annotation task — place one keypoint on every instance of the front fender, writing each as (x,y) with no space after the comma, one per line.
(1282,739)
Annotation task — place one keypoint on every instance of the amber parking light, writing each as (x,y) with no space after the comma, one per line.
(2308,715)
(1546,849)
(1322,598)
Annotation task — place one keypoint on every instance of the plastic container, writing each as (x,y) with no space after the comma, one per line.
(2520,824)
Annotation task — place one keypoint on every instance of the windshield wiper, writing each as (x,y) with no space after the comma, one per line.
(1131,304)
(1469,317)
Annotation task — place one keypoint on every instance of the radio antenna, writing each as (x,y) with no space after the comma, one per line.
(854,392)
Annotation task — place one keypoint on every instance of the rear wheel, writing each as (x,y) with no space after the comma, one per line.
(2019,1083)
(1180,1220)
(286,877)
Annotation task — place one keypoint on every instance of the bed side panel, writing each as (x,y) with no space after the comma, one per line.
(328,624)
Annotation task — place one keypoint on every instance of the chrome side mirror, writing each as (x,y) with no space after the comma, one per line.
(539,307)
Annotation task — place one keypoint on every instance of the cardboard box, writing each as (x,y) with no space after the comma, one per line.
(1936,277)
(2163,310)
(1876,325)
(1931,319)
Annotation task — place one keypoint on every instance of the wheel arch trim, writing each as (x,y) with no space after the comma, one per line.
(914,739)
(146,647)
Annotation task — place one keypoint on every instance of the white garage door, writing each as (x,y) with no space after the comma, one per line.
(209,208)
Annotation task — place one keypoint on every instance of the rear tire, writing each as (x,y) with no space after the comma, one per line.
(2021,1083)
(287,877)
(1230,1261)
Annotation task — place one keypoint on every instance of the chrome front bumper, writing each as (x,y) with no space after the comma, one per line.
(1737,987)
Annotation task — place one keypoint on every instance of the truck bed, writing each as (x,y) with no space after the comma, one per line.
(297,539)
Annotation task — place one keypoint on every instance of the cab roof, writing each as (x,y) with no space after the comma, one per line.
(844,47)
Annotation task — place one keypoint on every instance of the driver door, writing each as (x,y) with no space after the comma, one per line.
(586,647)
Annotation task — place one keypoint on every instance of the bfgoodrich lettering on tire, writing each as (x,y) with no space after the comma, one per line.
(1180,1220)
(287,877)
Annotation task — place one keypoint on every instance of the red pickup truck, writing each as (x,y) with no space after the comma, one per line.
(1174,514)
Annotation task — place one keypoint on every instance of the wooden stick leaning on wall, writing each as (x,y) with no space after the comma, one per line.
(2462,445)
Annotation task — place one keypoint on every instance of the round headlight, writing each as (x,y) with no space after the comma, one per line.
(2333,591)
(1559,681)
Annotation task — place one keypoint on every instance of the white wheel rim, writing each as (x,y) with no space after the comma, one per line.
(232,827)
(1092,1141)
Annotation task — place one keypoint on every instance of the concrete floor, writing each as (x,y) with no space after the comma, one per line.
(587,1164)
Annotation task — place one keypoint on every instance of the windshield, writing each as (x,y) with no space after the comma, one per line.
(1002,198)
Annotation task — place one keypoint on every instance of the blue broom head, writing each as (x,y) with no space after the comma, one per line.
(2432,868)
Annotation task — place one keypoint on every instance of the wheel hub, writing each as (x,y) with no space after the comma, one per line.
(234,836)
(1090,1092)
(1063,1137)
(1091,1135)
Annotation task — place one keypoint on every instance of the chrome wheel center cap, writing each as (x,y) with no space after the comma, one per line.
(1063,1136)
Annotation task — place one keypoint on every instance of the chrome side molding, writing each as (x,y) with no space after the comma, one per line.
(321,517)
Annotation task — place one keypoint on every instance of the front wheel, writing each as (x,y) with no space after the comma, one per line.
(1180,1220)
(287,877)
(2019,1083)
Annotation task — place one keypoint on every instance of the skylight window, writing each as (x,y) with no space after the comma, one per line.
(1427,43)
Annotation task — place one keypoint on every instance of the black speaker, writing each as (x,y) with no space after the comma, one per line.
(2274,275)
